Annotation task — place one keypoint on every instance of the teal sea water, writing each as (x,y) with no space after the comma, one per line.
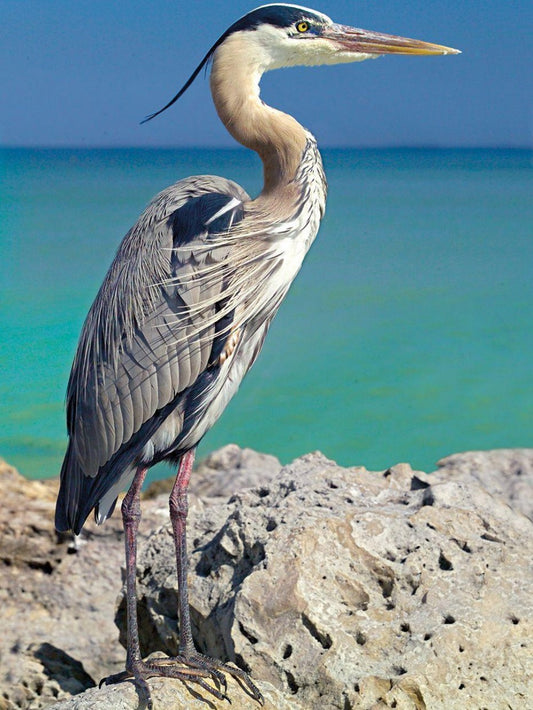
(407,335)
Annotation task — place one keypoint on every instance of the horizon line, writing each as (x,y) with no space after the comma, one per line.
(323,146)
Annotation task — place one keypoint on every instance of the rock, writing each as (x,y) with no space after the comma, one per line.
(58,595)
(224,472)
(507,473)
(56,598)
(336,587)
(170,694)
(349,589)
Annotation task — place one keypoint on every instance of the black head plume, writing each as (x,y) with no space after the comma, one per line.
(278,15)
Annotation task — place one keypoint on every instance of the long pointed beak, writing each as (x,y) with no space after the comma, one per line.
(357,41)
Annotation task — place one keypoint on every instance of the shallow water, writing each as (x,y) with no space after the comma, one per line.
(406,337)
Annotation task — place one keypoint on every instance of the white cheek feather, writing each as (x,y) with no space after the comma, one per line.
(274,49)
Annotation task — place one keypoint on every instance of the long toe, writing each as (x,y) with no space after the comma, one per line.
(218,670)
(207,673)
(136,676)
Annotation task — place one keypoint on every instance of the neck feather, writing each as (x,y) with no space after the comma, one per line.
(277,137)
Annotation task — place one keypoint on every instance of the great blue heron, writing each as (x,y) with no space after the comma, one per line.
(184,309)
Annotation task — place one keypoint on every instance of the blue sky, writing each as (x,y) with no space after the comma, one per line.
(85,72)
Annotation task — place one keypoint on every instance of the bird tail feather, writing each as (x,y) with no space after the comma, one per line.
(74,486)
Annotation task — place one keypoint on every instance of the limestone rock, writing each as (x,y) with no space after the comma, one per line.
(168,694)
(224,472)
(57,596)
(349,589)
(336,587)
(506,473)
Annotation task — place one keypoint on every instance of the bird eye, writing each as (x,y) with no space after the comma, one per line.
(302,26)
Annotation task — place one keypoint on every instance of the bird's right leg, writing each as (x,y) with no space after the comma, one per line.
(131,516)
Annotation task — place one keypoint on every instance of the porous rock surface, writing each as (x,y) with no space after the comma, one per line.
(336,587)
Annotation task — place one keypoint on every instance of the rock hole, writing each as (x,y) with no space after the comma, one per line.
(482,677)
(271,525)
(461,687)
(45,567)
(291,681)
(390,605)
(251,638)
(356,687)
(347,704)
(332,485)
(394,704)
(324,639)
(263,492)
(444,562)
(360,637)
(399,670)
(405,628)
(417,484)
(387,586)
(348,500)
(241,663)
(427,637)
(449,619)
(461,649)
(515,620)
(287,653)
(428,498)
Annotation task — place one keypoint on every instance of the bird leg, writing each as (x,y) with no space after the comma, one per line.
(138,670)
(131,516)
(188,665)
(179,508)
(188,655)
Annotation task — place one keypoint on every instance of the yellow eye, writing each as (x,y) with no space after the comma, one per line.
(302,26)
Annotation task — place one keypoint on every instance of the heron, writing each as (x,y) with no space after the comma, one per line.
(187,302)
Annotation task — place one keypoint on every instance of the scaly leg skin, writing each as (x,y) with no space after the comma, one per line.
(187,652)
(189,665)
(137,670)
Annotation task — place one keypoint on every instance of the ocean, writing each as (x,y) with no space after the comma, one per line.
(407,336)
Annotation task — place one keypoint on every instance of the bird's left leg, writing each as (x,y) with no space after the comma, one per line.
(195,662)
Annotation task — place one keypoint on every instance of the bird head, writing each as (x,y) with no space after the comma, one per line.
(282,35)
(290,35)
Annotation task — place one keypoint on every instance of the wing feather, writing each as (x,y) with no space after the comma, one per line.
(148,335)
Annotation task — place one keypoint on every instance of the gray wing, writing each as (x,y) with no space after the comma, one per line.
(150,331)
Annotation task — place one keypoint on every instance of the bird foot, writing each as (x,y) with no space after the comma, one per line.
(208,673)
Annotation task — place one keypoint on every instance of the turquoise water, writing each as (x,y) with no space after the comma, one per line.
(407,335)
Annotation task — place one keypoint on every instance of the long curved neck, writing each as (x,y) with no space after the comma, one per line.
(277,137)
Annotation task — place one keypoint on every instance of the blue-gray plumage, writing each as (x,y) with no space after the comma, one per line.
(185,307)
